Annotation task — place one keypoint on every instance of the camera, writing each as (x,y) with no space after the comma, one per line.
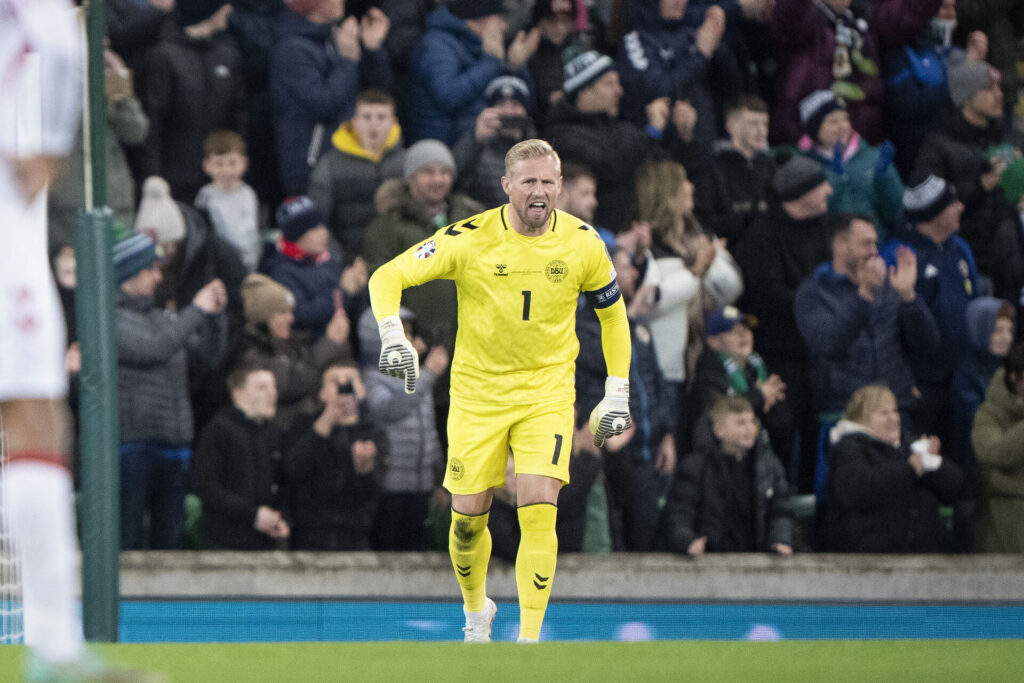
(511,122)
(345,388)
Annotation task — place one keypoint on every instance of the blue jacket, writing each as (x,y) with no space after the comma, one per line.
(311,283)
(947,279)
(313,90)
(854,342)
(450,72)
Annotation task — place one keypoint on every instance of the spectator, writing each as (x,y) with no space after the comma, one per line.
(1002,23)
(238,467)
(412,482)
(862,322)
(579,195)
(410,211)
(462,50)
(636,461)
(732,495)
(317,66)
(664,59)
(947,280)
(155,416)
(782,247)
(126,124)
(584,127)
(192,85)
(480,154)
(917,82)
(729,366)
(269,340)
(1007,271)
(302,263)
(991,326)
(830,45)
(883,493)
(228,201)
(556,22)
(333,464)
(998,440)
(965,151)
(364,153)
(692,272)
(862,177)
(736,190)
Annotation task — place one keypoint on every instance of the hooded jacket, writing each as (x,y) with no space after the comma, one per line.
(313,90)
(998,440)
(345,180)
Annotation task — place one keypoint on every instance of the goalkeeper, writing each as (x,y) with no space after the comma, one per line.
(519,270)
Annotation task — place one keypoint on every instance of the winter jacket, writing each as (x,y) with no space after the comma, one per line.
(775,256)
(876,503)
(401,223)
(450,72)
(313,90)
(805,37)
(191,86)
(698,501)
(857,188)
(733,192)
(1007,271)
(153,348)
(613,149)
(959,153)
(297,365)
(312,281)
(332,505)
(854,342)
(998,440)
(416,460)
(947,280)
(345,180)
(660,59)
(237,470)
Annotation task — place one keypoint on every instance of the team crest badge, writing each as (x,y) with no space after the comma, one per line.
(556,270)
(426,250)
(456,469)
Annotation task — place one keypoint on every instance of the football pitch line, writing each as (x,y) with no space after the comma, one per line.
(898,660)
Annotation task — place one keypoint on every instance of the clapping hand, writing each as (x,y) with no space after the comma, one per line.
(373,28)
(903,275)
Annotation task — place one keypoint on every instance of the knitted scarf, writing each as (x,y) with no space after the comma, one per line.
(738,385)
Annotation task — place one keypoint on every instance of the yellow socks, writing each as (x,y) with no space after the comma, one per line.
(535,565)
(469,544)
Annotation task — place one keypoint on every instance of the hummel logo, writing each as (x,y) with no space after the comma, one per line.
(540,582)
(464,571)
(499,269)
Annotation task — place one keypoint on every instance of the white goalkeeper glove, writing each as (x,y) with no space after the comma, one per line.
(611,416)
(397,356)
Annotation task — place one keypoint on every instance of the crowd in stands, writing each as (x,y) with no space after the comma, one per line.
(815,209)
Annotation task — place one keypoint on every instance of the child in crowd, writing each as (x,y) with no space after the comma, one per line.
(230,203)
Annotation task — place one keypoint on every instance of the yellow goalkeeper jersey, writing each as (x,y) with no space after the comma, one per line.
(516,341)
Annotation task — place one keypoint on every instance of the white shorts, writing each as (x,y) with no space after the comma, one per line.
(32,333)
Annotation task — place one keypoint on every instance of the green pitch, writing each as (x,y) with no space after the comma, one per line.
(897,660)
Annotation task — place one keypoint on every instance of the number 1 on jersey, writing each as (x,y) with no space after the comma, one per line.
(526,304)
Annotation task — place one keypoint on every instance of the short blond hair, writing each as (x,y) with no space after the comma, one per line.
(530,149)
(867,400)
(729,405)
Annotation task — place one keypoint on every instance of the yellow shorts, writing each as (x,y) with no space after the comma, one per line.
(481,434)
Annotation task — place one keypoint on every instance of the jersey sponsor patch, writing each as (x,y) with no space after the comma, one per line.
(606,296)
(426,250)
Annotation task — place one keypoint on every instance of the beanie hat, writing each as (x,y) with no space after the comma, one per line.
(191,12)
(426,152)
(583,69)
(815,107)
(298,215)
(475,9)
(797,177)
(132,255)
(926,197)
(967,79)
(508,88)
(159,215)
(542,9)
(263,297)
(724,319)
